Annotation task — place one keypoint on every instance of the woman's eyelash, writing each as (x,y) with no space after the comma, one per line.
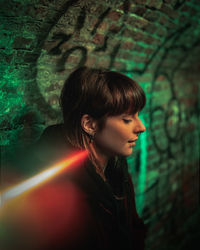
(126,120)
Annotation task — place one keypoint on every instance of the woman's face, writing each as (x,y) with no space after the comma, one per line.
(118,135)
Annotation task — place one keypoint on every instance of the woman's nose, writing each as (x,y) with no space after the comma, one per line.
(140,127)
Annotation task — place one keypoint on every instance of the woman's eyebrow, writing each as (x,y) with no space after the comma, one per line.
(130,115)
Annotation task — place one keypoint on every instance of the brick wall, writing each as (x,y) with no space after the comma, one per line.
(156,42)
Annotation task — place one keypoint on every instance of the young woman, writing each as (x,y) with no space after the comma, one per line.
(91,205)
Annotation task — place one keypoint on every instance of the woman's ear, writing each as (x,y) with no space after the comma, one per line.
(88,124)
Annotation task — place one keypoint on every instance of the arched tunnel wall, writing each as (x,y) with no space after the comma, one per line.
(156,42)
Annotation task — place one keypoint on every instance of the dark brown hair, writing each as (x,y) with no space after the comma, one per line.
(98,93)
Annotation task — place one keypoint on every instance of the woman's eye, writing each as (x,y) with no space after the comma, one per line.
(126,121)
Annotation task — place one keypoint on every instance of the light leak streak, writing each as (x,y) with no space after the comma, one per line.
(39,178)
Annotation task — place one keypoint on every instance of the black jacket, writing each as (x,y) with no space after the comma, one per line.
(77,209)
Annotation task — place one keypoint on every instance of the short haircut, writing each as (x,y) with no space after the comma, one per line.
(98,93)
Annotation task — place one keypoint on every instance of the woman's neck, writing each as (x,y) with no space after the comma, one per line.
(101,160)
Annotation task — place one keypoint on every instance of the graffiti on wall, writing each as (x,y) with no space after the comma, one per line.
(62,45)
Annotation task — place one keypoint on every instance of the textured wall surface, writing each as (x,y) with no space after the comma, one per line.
(157,43)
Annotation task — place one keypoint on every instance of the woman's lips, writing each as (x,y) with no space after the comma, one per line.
(132,140)
(131,143)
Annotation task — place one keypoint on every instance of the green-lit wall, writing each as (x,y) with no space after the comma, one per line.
(157,43)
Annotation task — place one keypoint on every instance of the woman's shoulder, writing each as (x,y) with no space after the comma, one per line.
(52,133)
(50,148)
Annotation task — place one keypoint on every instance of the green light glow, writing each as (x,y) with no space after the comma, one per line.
(141,178)
(140,199)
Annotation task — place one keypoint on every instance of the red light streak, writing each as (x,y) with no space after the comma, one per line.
(45,175)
